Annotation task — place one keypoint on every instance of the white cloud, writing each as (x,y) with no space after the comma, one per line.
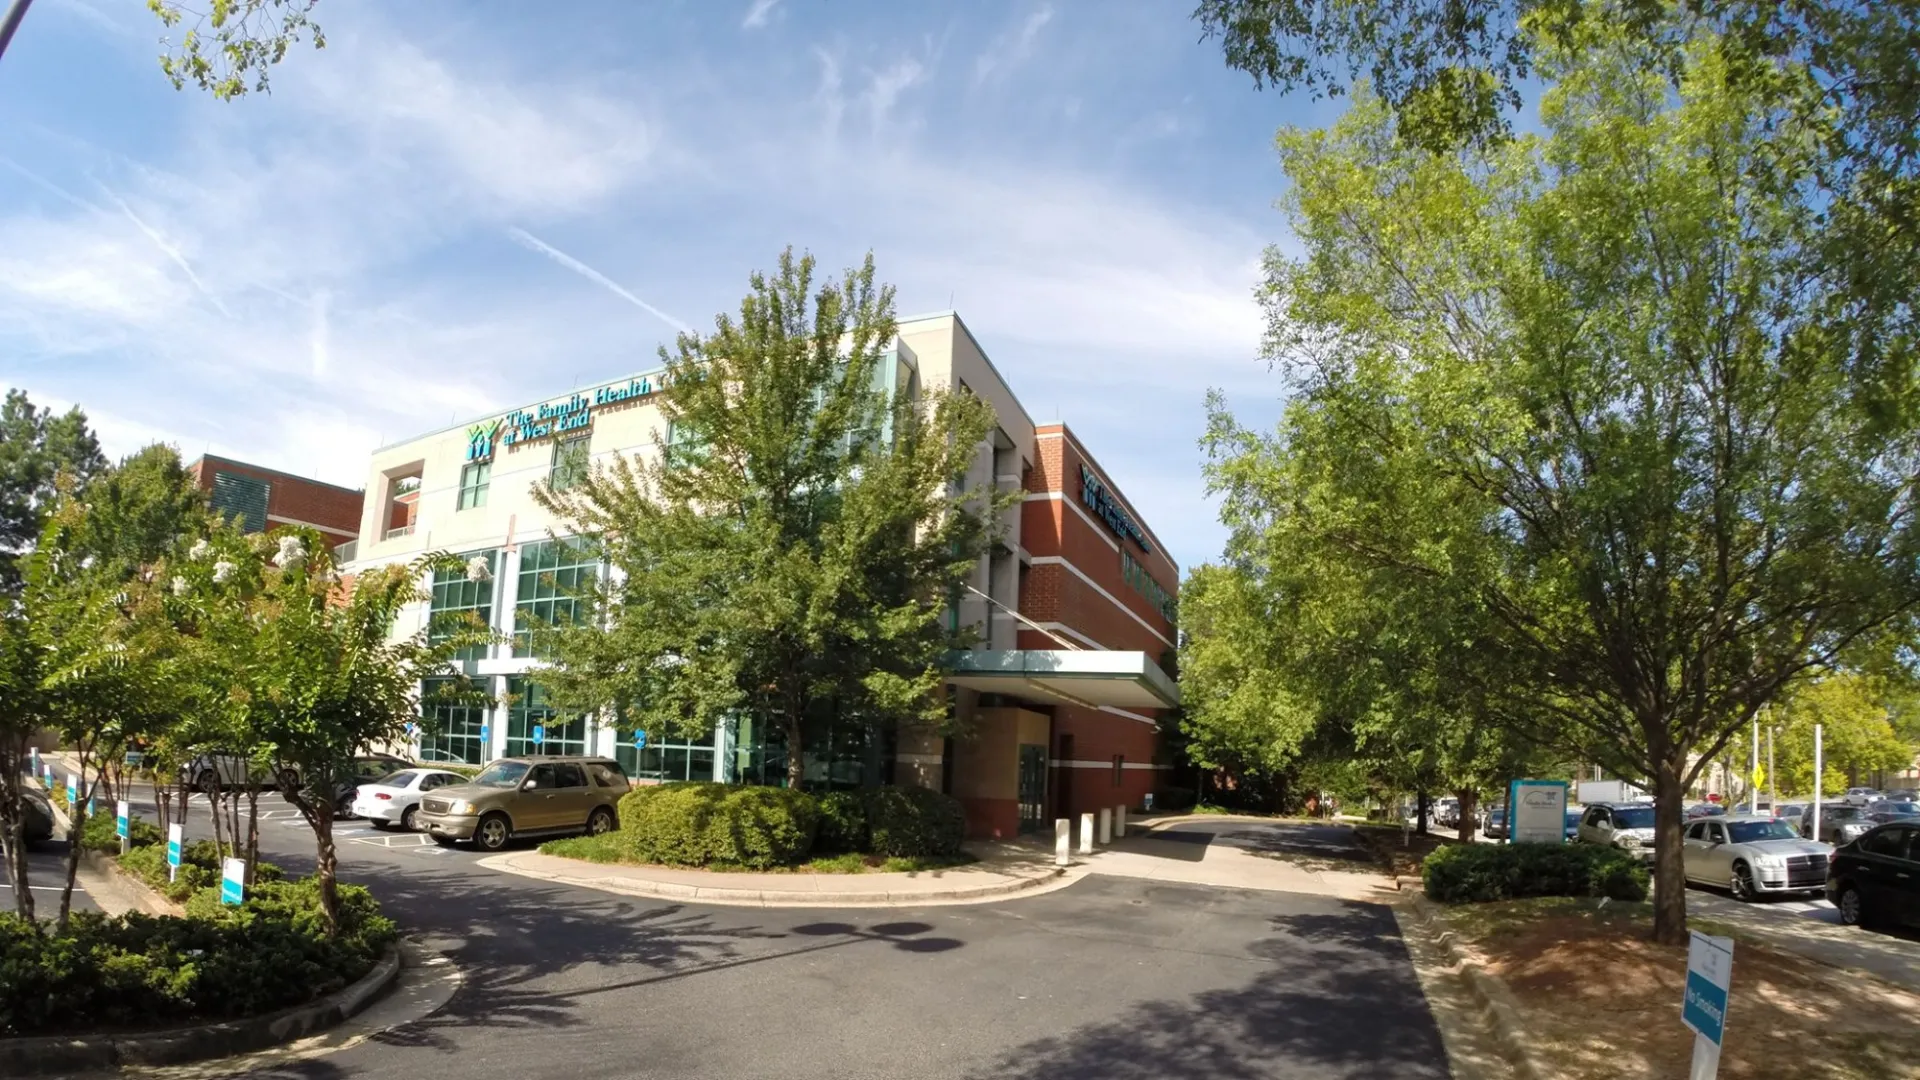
(758,13)
(1010,50)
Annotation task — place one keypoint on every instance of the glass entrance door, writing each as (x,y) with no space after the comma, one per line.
(1033,788)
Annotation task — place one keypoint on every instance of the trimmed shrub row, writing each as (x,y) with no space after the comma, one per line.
(702,823)
(1477,873)
(138,970)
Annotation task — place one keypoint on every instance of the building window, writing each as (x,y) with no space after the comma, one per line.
(242,498)
(683,446)
(1119,766)
(529,710)
(553,575)
(1144,584)
(454,593)
(456,730)
(473,484)
(570,462)
(669,759)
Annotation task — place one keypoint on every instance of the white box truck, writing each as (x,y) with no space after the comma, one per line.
(1610,791)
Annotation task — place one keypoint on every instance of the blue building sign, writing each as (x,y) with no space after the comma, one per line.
(1108,509)
(554,418)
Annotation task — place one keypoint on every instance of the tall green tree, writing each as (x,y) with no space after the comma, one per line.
(1667,444)
(35,448)
(792,550)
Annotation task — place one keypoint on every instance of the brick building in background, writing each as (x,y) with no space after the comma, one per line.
(264,499)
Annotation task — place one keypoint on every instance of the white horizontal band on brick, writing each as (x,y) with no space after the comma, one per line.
(1063,628)
(1130,715)
(349,533)
(1143,766)
(1087,458)
(919,759)
(1060,560)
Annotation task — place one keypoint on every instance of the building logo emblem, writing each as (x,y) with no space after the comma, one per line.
(480,440)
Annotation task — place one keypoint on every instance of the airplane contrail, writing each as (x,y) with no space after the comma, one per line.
(534,243)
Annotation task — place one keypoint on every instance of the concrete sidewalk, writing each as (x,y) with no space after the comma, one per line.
(1318,858)
(1001,873)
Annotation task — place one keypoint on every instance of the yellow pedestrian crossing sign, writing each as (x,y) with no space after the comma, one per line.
(1759,775)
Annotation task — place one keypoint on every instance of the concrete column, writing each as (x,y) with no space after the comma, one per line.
(1062,841)
(1120,820)
(1106,825)
(1086,834)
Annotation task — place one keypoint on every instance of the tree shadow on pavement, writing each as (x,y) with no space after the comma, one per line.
(1338,998)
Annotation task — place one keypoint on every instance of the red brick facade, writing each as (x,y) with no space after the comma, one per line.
(291,499)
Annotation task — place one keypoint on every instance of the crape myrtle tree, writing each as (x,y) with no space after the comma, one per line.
(795,544)
(1660,433)
(310,660)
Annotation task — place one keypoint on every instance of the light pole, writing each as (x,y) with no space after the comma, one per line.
(12,22)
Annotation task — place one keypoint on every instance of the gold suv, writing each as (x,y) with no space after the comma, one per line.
(530,796)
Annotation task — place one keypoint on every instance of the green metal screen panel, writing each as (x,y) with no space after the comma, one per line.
(454,592)
(553,573)
(243,497)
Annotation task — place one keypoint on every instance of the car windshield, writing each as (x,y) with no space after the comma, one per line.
(1842,813)
(1746,832)
(1633,817)
(403,778)
(502,774)
(1898,809)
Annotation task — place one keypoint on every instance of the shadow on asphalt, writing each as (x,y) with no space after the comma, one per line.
(1338,995)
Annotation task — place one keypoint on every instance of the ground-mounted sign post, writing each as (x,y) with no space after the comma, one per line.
(1704,1005)
(539,735)
(122,820)
(1537,812)
(639,740)
(233,881)
(176,835)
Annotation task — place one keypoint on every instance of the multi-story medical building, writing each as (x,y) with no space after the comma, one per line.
(263,499)
(1055,711)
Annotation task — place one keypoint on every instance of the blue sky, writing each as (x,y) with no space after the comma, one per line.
(421,221)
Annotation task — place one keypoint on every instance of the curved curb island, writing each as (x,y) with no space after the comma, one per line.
(57,1055)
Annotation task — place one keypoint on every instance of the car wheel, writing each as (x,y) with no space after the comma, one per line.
(493,832)
(1742,883)
(208,783)
(289,780)
(600,821)
(1853,906)
(407,819)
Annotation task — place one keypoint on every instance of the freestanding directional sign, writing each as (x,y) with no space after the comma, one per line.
(1537,812)
(73,789)
(1704,1006)
(176,834)
(539,734)
(233,881)
(122,813)
(639,740)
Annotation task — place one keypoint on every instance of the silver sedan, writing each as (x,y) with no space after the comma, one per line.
(1754,854)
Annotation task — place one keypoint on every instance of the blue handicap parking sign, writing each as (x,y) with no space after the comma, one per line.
(539,734)
(486,733)
(639,740)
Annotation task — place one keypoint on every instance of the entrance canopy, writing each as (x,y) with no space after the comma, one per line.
(1123,680)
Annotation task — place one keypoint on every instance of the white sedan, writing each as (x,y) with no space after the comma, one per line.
(395,799)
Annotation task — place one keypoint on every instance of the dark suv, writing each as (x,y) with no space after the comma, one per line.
(1875,880)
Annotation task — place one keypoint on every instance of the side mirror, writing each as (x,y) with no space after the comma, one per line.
(531,784)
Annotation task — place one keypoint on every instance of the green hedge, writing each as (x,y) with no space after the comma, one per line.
(138,970)
(912,821)
(199,869)
(1476,873)
(843,824)
(101,833)
(698,824)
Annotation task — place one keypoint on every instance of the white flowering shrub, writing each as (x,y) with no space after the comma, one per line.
(477,569)
(292,553)
(222,572)
(200,550)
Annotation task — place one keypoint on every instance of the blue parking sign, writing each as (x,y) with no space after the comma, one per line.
(486,733)
(639,740)
(539,734)
(123,814)
(233,881)
(1709,976)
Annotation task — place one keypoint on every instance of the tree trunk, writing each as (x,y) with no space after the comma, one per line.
(17,867)
(1469,811)
(253,832)
(1669,879)
(320,817)
(796,752)
(1420,811)
(213,812)
(77,816)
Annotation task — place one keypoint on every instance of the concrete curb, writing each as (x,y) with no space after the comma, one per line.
(1498,1010)
(1056,877)
(60,1055)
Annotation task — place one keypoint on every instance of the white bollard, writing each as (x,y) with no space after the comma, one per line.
(1120,820)
(1106,825)
(1062,841)
(1086,834)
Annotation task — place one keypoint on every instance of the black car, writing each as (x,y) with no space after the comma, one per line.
(39,815)
(1496,824)
(1875,880)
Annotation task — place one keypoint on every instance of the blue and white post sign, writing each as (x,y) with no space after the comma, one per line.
(639,740)
(176,834)
(122,815)
(1704,1006)
(539,734)
(33,760)
(233,881)
(73,789)
(1537,812)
